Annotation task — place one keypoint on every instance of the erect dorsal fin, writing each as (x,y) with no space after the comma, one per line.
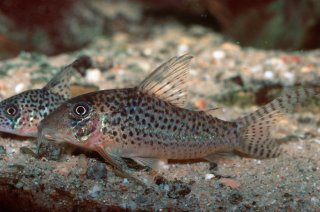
(169,81)
(60,84)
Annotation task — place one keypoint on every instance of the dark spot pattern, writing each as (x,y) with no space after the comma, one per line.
(34,105)
(146,124)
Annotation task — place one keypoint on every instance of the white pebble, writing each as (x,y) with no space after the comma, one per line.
(299,147)
(315,201)
(182,49)
(209,176)
(19,88)
(194,72)
(289,76)
(147,51)
(121,72)
(268,75)
(95,190)
(93,75)
(256,69)
(125,181)
(145,66)
(317,141)
(257,161)
(218,54)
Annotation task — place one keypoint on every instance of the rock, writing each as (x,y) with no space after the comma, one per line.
(209,176)
(94,191)
(178,190)
(97,171)
(235,198)
(3,150)
(49,150)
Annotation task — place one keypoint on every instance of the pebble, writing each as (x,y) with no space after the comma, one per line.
(268,75)
(97,171)
(317,141)
(209,176)
(2,150)
(255,69)
(93,75)
(147,52)
(230,47)
(218,54)
(178,189)
(182,49)
(213,166)
(235,198)
(290,77)
(200,104)
(95,190)
(132,205)
(19,87)
(145,66)
(315,201)
(49,150)
(257,161)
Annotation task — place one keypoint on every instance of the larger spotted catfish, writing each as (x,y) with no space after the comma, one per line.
(150,125)
(21,114)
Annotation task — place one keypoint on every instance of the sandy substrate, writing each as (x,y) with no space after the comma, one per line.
(82,182)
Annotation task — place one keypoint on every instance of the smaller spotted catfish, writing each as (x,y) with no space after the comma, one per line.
(149,124)
(21,114)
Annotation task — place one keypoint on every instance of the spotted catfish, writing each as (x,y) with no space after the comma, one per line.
(21,114)
(148,123)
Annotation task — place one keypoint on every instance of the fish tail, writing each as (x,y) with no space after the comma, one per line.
(255,137)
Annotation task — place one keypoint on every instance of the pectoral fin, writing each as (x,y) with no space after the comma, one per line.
(153,163)
(118,164)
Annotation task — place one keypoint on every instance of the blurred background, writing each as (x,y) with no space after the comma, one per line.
(59,26)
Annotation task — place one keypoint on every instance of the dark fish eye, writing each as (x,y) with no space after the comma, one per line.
(11,110)
(81,109)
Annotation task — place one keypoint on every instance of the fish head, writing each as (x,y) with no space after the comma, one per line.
(20,115)
(75,121)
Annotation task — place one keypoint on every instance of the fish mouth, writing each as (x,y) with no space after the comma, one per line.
(52,135)
(17,132)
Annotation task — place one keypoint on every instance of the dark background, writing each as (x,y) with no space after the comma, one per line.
(58,26)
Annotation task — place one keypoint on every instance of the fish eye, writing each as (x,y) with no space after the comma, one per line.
(81,109)
(11,110)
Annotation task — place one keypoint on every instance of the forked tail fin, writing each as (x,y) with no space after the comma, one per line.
(255,138)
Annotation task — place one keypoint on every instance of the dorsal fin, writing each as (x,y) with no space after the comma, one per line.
(169,81)
(60,84)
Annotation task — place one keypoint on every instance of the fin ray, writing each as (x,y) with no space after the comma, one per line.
(255,136)
(60,84)
(169,81)
(117,163)
(155,164)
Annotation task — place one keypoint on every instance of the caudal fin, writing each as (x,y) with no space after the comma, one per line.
(255,138)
